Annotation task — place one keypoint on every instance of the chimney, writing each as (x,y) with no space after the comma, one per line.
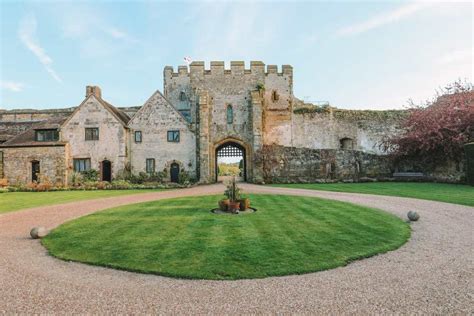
(95,90)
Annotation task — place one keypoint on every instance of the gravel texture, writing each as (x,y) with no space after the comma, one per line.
(432,273)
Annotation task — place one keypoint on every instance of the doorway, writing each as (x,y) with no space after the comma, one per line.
(35,170)
(174,172)
(106,171)
(230,162)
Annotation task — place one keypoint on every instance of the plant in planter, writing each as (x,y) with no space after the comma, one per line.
(233,194)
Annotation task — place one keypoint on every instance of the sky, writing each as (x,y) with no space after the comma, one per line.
(353,54)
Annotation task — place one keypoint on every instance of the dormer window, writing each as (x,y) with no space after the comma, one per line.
(46,135)
(230,114)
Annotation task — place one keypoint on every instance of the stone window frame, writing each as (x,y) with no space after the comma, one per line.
(229,114)
(46,135)
(150,165)
(91,133)
(343,141)
(173,136)
(275,96)
(138,136)
(86,164)
(182,96)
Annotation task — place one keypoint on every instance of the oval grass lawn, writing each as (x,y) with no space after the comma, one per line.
(182,238)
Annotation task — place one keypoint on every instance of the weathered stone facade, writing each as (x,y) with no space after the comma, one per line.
(112,141)
(253,109)
(53,160)
(153,121)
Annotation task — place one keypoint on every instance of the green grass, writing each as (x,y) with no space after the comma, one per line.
(15,201)
(181,238)
(450,193)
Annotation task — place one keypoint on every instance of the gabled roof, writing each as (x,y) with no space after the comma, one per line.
(121,116)
(27,138)
(148,103)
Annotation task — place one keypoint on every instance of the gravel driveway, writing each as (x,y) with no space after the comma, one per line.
(432,273)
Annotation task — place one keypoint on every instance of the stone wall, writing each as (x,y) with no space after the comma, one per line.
(113,136)
(291,165)
(154,120)
(325,129)
(54,163)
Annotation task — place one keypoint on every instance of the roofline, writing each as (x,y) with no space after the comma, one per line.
(102,102)
(34,145)
(172,106)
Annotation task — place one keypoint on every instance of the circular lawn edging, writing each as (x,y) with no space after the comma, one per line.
(179,237)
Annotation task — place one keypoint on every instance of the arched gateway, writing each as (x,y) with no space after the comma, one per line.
(234,152)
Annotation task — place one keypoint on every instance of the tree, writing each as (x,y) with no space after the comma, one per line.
(438,130)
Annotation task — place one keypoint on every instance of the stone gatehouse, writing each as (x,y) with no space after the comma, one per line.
(202,113)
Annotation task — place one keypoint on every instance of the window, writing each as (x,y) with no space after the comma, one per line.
(347,143)
(150,165)
(173,136)
(275,96)
(230,114)
(182,96)
(83,164)
(186,114)
(138,136)
(46,135)
(92,133)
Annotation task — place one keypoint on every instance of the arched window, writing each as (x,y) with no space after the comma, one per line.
(182,96)
(230,114)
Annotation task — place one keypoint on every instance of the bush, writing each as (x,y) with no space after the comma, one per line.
(90,175)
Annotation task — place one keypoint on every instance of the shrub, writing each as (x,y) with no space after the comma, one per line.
(90,175)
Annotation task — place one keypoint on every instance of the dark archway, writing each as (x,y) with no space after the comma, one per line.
(174,172)
(106,171)
(234,152)
(35,170)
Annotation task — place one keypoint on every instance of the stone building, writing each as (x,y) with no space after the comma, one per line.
(203,114)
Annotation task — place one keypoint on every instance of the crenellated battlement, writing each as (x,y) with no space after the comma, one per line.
(236,68)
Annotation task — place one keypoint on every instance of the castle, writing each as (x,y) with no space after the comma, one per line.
(201,115)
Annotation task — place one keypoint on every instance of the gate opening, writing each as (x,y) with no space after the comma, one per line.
(230,162)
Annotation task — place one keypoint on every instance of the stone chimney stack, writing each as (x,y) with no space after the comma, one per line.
(95,90)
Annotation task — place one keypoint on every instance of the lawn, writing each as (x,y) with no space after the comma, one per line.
(182,238)
(450,193)
(19,200)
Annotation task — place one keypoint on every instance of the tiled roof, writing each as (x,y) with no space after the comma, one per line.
(27,138)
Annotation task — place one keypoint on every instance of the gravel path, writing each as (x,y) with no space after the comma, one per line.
(432,273)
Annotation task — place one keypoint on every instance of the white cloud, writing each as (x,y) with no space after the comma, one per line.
(376,21)
(27,34)
(456,56)
(12,86)
(90,29)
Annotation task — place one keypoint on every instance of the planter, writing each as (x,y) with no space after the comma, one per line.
(224,205)
(234,206)
(244,204)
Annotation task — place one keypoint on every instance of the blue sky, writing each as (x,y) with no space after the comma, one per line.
(358,55)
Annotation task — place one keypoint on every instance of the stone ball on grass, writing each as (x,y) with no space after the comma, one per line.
(38,232)
(413,216)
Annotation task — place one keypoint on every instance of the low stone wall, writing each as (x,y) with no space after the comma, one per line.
(299,165)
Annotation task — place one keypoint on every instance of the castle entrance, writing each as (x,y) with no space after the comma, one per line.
(230,162)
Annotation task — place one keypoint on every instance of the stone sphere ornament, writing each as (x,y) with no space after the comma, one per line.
(38,232)
(413,216)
